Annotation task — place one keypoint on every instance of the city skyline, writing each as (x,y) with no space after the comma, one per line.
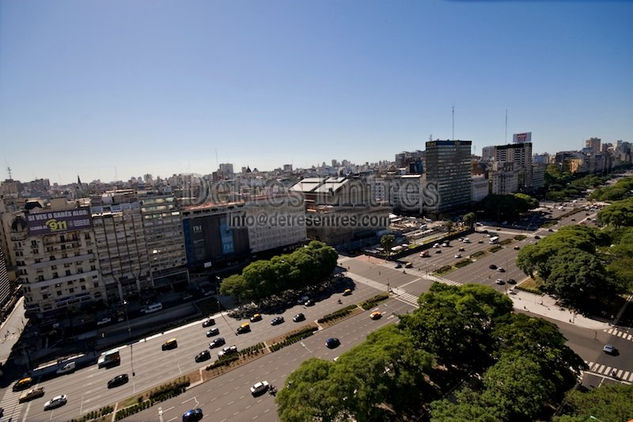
(123,89)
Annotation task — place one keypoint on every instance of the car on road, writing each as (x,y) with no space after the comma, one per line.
(23,384)
(299,317)
(517,247)
(610,349)
(33,393)
(256,317)
(227,351)
(500,281)
(458,255)
(501,269)
(55,402)
(466,240)
(408,265)
(537,237)
(66,368)
(213,332)
(461,249)
(550,230)
(436,245)
(425,254)
(217,342)
(169,344)
(104,321)
(192,415)
(512,292)
(398,265)
(332,343)
(438,251)
(512,281)
(277,320)
(492,266)
(202,356)
(375,315)
(347,292)
(208,322)
(480,241)
(118,380)
(309,302)
(244,328)
(259,388)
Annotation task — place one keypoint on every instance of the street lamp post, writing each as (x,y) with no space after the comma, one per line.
(129,334)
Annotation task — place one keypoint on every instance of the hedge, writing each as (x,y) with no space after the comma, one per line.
(463,263)
(495,249)
(519,237)
(477,254)
(161,393)
(293,338)
(373,301)
(337,314)
(106,410)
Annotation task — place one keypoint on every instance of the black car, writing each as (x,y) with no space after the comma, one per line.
(309,302)
(299,317)
(213,332)
(537,237)
(202,356)
(277,320)
(492,266)
(193,415)
(512,281)
(332,343)
(217,342)
(209,322)
(118,380)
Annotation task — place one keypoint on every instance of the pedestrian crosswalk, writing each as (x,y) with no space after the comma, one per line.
(10,404)
(608,371)
(406,297)
(617,332)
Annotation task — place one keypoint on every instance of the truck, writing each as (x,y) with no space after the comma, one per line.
(109,358)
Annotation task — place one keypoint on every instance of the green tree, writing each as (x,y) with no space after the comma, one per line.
(448,225)
(467,406)
(386,241)
(470,219)
(607,403)
(618,214)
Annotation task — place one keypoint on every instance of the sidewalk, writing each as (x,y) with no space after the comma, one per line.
(546,306)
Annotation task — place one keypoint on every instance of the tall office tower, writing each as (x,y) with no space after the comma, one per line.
(448,167)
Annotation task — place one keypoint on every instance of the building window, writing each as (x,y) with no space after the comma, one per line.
(55,275)
(96,284)
(83,287)
(34,243)
(59,293)
(93,268)
(71,290)
(52,258)
(67,272)
(53,267)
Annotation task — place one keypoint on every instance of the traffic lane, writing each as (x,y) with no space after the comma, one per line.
(228,398)
(367,269)
(479,271)
(191,340)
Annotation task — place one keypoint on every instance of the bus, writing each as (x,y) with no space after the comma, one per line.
(494,240)
(109,358)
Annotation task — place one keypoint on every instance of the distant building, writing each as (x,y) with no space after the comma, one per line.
(541,158)
(412,162)
(488,153)
(480,186)
(448,168)
(505,179)
(225,170)
(517,157)
(593,144)
(538,175)
(288,168)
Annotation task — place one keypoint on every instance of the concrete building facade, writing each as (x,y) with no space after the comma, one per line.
(448,168)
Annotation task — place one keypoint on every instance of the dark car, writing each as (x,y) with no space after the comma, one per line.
(118,380)
(492,266)
(512,281)
(398,265)
(277,320)
(208,322)
(217,342)
(332,343)
(193,415)
(537,237)
(299,317)
(244,328)
(213,332)
(256,317)
(202,356)
(309,302)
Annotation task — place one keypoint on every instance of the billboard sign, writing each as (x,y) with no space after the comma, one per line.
(57,222)
(521,138)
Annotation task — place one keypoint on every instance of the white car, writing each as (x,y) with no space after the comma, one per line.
(458,255)
(66,368)
(55,402)
(103,321)
(227,351)
(259,388)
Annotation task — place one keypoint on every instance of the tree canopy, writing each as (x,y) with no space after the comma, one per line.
(609,402)
(506,207)
(303,267)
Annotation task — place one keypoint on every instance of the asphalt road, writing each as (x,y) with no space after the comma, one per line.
(227,398)
(87,390)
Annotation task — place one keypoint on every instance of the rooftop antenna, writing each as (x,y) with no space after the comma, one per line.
(217,163)
(505,135)
(453,119)
(9,170)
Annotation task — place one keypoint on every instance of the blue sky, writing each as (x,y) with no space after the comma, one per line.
(105,88)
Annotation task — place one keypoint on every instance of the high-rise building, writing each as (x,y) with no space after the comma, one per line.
(594,144)
(5,285)
(55,257)
(121,246)
(520,156)
(448,167)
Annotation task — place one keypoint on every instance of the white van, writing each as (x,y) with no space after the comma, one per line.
(154,307)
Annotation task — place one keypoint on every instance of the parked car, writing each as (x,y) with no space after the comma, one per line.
(375,315)
(256,317)
(277,320)
(259,388)
(332,342)
(208,322)
(118,380)
(55,402)
(33,393)
(213,332)
(192,415)
(217,342)
(227,351)
(299,317)
(202,356)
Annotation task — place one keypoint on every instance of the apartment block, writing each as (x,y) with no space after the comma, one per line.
(448,168)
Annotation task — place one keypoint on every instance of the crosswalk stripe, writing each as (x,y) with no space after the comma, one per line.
(599,370)
(619,374)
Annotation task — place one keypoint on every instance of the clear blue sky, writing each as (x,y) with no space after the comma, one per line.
(129,87)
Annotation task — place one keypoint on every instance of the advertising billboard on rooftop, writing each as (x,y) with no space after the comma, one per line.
(58,222)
